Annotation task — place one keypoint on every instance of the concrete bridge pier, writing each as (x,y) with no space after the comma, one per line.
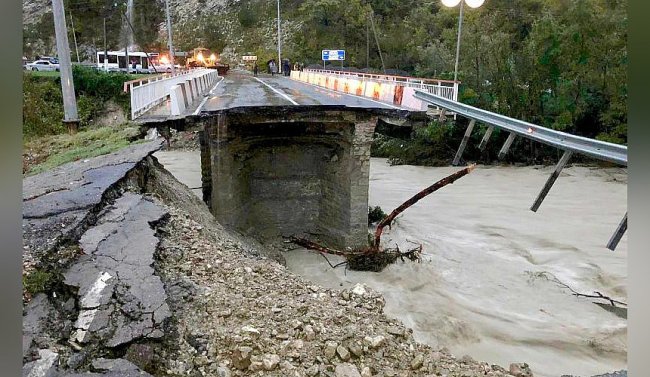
(280,171)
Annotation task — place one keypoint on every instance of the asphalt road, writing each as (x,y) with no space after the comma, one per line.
(240,88)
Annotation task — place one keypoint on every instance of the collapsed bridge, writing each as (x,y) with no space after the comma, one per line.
(293,170)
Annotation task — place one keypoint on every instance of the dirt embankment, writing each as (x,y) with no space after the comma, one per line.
(238,311)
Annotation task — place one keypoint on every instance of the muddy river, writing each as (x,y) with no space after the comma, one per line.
(485,286)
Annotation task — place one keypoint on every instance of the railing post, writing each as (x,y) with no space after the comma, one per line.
(506,145)
(486,137)
(551,180)
(620,231)
(463,143)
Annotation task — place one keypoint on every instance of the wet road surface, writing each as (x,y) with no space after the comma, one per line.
(239,88)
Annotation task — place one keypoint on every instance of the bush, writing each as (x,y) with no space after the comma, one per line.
(42,106)
(375,215)
(432,145)
(101,85)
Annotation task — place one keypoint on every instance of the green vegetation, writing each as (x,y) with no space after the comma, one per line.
(42,106)
(43,101)
(47,152)
(43,73)
(375,215)
(37,281)
(437,143)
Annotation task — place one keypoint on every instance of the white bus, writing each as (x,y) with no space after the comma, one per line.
(138,62)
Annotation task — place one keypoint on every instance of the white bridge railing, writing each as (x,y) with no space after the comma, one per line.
(150,92)
(444,88)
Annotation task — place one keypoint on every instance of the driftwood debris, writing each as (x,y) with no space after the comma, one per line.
(415,198)
(597,295)
(373,257)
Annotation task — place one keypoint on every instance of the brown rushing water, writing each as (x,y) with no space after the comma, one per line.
(478,289)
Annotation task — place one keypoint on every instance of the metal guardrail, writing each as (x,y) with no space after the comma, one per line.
(593,148)
(567,142)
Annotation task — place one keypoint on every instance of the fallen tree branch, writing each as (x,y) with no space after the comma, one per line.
(314,246)
(597,294)
(371,258)
(415,198)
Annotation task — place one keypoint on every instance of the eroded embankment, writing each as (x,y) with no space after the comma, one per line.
(155,284)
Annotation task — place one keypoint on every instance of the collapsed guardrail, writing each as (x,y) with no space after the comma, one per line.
(568,143)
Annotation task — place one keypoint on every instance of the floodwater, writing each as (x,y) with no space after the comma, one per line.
(480,289)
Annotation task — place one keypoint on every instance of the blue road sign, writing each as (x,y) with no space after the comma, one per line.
(333,54)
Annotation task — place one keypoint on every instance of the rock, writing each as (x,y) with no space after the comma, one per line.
(250,330)
(330,349)
(417,362)
(312,370)
(223,372)
(256,366)
(520,370)
(141,355)
(356,350)
(393,330)
(359,290)
(343,353)
(346,370)
(309,332)
(241,358)
(374,341)
(297,344)
(365,372)
(271,362)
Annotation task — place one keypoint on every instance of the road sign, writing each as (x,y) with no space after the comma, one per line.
(333,54)
(249,58)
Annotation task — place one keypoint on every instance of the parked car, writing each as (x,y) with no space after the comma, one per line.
(43,65)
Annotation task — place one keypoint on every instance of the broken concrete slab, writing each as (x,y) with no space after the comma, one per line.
(56,202)
(120,297)
(42,367)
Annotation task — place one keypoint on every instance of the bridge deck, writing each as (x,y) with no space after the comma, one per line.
(239,88)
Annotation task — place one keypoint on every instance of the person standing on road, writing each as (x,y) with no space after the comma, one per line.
(273,67)
(255,69)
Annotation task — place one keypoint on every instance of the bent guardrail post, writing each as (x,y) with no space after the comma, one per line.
(463,143)
(486,137)
(551,180)
(506,145)
(566,142)
(618,234)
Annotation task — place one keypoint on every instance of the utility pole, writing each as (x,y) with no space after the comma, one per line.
(460,28)
(105,48)
(63,49)
(126,44)
(74,37)
(374,31)
(367,45)
(279,42)
(169,36)
(146,53)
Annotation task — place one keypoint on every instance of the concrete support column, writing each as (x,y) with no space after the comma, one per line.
(359,181)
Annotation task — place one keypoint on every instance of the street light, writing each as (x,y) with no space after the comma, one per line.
(279,43)
(453,3)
